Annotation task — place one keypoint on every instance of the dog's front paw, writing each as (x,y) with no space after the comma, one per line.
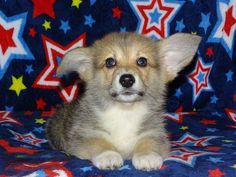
(108,160)
(147,162)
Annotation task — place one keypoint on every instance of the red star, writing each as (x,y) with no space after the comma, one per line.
(54,52)
(215,173)
(213,148)
(51,173)
(229,21)
(231,126)
(6,39)
(169,135)
(208,122)
(178,116)
(188,138)
(28,113)
(32,32)
(43,7)
(200,70)
(231,113)
(40,104)
(27,138)
(209,52)
(116,12)
(43,165)
(10,149)
(144,8)
(5,118)
(163,167)
(48,113)
(185,155)
(234,97)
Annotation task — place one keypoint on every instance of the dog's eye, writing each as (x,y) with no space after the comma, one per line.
(142,62)
(110,62)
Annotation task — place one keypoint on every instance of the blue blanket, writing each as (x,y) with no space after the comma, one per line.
(201,103)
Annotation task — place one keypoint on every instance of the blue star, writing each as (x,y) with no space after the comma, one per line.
(6,125)
(92,2)
(211,130)
(229,75)
(126,167)
(85,169)
(178,93)
(227,145)
(58,59)
(200,77)
(38,129)
(193,1)
(122,29)
(215,160)
(25,146)
(55,75)
(216,114)
(214,99)
(41,173)
(29,69)
(65,26)
(46,156)
(205,23)
(176,153)
(89,20)
(180,25)
(9,108)
(155,15)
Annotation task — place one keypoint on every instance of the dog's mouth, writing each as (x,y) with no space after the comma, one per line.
(128,95)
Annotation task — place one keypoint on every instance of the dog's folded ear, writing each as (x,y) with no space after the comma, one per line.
(78,60)
(175,52)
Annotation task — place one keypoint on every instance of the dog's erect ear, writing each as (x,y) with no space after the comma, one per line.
(176,52)
(79,60)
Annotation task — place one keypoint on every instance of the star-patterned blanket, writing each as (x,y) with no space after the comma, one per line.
(201,104)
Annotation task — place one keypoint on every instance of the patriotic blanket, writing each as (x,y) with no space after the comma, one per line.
(201,104)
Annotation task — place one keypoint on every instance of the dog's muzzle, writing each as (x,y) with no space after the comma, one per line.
(127,88)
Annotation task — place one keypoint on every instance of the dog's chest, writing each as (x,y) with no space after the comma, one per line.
(122,125)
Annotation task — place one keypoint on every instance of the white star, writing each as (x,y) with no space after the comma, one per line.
(20,50)
(218,33)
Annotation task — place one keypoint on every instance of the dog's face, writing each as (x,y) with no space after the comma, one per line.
(127,67)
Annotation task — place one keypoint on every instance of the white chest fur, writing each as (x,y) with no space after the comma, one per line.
(122,124)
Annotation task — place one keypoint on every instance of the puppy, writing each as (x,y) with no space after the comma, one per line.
(120,116)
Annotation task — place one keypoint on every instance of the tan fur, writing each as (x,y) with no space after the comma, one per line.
(93,146)
(151,144)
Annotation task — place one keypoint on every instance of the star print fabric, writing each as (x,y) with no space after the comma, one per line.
(201,104)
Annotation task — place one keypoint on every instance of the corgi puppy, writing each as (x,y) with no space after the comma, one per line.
(120,115)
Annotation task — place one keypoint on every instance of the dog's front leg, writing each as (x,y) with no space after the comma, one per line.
(102,153)
(149,153)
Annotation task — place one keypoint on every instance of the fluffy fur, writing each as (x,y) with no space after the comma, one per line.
(111,123)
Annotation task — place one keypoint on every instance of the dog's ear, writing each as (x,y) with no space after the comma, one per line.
(175,52)
(78,60)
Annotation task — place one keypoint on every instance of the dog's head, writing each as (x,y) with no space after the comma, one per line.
(127,67)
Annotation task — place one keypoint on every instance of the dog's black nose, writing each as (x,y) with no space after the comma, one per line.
(127,80)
